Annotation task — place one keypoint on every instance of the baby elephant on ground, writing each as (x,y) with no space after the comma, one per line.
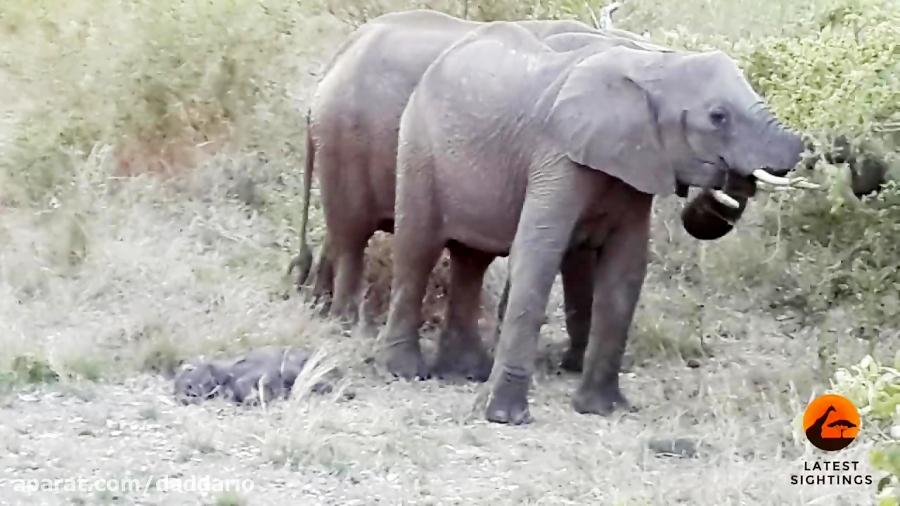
(509,147)
(274,370)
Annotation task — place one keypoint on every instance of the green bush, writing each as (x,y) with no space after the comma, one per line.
(843,79)
(31,369)
(832,72)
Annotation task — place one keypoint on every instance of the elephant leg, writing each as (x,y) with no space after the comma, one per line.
(618,278)
(501,308)
(541,239)
(414,259)
(348,265)
(323,286)
(578,294)
(324,274)
(460,351)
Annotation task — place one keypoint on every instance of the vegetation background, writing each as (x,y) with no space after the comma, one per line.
(150,156)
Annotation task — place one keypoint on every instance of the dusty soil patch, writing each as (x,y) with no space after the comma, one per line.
(425,442)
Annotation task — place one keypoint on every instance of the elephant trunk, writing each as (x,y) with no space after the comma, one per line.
(710,216)
(777,154)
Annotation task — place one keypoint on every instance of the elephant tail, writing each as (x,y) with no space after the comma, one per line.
(303,261)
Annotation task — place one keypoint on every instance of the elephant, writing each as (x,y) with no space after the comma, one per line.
(507,147)
(708,216)
(239,380)
(352,126)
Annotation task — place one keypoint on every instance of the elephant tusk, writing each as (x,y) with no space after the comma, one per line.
(799,182)
(765,177)
(805,185)
(770,189)
(725,199)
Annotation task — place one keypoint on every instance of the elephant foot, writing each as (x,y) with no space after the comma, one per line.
(346,317)
(573,360)
(404,360)
(322,298)
(324,307)
(302,263)
(322,291)
(600,401)
(365,329)
(462,358)
(509,400)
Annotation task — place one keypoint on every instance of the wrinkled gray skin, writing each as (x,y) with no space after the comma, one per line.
(352,144)
(509,147)
(275,369)
(352,138)
(704,218)
(353,123)
(195,383)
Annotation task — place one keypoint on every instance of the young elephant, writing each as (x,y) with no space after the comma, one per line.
(273,369)
(508,147)
(195,383)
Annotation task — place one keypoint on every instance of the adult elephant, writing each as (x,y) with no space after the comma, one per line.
(352,137)
(708,216)
(509,147)
(352,144)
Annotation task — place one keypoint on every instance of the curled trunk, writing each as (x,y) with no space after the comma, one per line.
(707,218)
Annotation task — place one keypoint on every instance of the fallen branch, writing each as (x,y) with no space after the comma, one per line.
(594,19)
(606,21)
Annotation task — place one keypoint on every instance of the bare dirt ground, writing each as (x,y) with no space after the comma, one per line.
(423,443)
(167,265)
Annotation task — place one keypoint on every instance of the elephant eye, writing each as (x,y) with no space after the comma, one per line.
(718,117)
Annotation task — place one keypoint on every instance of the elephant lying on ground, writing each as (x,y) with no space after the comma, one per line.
(508,147)
(352,143)
(272,369)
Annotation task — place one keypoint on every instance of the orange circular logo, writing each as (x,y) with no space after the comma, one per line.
(831,422)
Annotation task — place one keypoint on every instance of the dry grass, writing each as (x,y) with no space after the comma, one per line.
(107,283)
(425,443)
(378,279)
(179,269)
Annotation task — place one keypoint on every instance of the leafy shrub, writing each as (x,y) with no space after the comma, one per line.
(843,80)
(832,72)
(32,369)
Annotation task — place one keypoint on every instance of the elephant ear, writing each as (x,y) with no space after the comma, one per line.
(605,118)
